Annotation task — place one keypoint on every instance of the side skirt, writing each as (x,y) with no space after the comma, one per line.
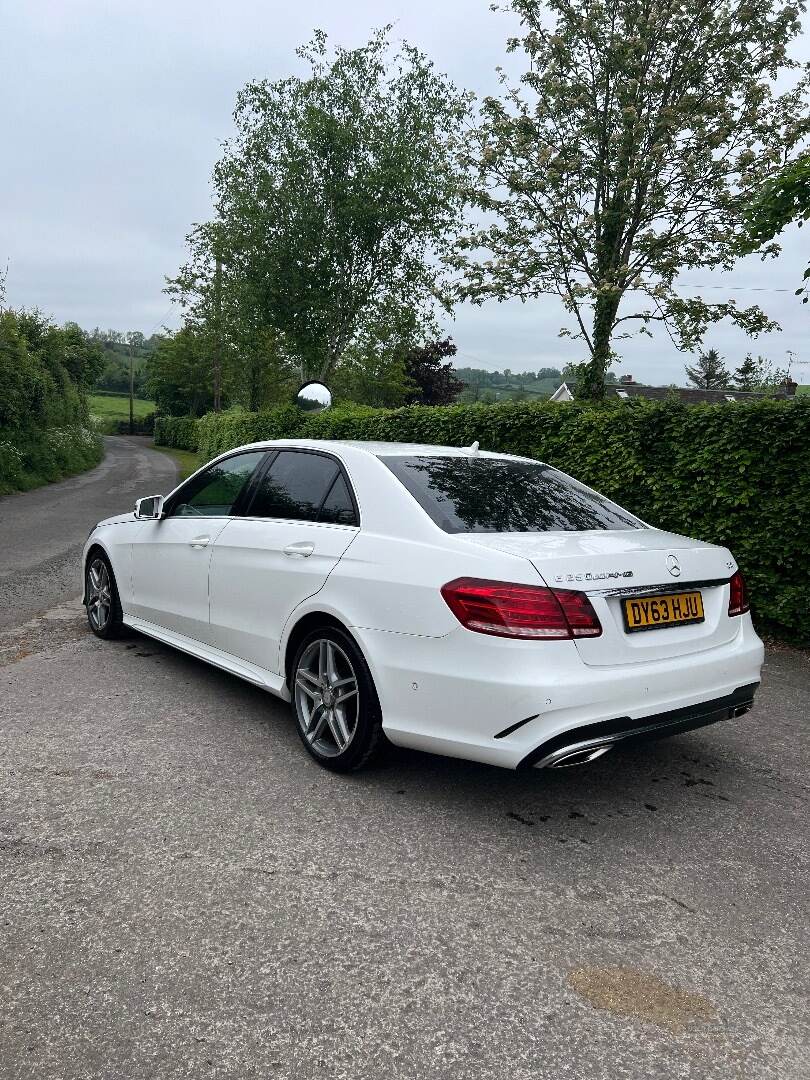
(267,680)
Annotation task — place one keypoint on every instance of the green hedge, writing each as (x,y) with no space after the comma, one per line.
(45,429)
(28,460)
(180,432)
(734,474)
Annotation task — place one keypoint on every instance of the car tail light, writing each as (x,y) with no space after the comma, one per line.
(738,597)
(520,611)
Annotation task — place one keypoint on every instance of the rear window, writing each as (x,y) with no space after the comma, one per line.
(495,495)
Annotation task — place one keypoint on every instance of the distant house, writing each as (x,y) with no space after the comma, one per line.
(626,389)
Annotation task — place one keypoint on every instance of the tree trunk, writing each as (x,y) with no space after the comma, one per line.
(591,385)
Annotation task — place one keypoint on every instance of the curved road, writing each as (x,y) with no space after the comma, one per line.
(42,532)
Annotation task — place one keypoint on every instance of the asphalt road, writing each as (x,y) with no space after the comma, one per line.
(42,532)
(184,894)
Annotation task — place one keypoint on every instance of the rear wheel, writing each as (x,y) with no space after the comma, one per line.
(335,702)
(101,598)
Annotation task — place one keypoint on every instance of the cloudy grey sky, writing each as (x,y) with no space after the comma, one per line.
(113,111)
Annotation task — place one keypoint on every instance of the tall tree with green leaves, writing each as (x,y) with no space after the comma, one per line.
(178,374)
(759,374)
(709,372)
(782,200)
(626,154)
(333,198)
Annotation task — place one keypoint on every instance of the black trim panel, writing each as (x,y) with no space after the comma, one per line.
(657,726)
(513,727)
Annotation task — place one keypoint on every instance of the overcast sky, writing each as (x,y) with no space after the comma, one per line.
(113,111)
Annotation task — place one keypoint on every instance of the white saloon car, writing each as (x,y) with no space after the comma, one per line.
(467,603)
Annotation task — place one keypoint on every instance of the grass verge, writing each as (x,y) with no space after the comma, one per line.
(187,462)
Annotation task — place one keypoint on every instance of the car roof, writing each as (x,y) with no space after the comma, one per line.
(379,449)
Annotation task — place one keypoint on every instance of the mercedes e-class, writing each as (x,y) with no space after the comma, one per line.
(467,603)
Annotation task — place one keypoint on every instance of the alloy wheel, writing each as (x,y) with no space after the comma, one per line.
(99,594)
(326,697)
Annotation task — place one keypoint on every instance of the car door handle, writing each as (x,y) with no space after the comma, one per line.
(200,541)
(302,550)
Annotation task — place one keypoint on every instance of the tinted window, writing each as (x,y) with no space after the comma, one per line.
(338,508)
(214,492)
(294,486)
(495,495)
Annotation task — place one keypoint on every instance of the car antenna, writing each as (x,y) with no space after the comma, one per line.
(473,448)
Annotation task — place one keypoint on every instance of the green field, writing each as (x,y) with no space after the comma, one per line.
(116,407)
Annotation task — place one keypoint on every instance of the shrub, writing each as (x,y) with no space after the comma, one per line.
(179,432)
(45,428)
(734,474)
(143,425)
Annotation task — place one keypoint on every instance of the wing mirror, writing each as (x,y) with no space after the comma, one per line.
(149,508)
(314,397)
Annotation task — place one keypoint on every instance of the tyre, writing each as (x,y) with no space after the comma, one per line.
(101,598)
(334,701)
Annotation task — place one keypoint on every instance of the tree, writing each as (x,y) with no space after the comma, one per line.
(746,375)
(758,374)
(709,373)
(783,199)
(625,156)
(372,370)
(332,199)
(179,374)
(436,383)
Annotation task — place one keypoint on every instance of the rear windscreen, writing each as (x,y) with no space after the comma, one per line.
(497,495)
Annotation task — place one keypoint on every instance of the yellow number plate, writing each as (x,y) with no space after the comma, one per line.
(655,612)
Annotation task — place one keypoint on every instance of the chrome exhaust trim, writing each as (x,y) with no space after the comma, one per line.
(578,754)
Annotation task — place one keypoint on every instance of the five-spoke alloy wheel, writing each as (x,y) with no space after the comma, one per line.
(101,598)
(334,700)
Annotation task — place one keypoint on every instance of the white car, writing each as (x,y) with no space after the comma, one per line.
(466,603)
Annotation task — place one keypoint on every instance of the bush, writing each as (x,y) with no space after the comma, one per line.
(41,458)
(733,474)
(179,432)
(45,428)
(143,425)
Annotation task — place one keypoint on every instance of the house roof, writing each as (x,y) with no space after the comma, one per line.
(688,395)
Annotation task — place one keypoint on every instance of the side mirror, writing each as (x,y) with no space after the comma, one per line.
(149,508)
(314,397)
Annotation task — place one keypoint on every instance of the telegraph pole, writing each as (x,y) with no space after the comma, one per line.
(218,331)
(131,391)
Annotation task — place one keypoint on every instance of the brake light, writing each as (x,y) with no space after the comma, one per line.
(738,595)
(521,611)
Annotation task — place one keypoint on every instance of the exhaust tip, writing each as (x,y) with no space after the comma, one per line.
(567,759)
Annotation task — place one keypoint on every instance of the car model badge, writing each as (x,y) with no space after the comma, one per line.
(673,565)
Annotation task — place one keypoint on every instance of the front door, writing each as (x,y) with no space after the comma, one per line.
(171,557)
(300,521)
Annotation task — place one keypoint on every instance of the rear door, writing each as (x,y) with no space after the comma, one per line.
(300,521)
(170,557)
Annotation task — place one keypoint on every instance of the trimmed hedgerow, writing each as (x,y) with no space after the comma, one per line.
(734,474)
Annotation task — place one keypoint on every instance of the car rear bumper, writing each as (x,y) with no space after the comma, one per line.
(512,703)
(578,745)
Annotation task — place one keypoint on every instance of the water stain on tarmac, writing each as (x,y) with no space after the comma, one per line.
(639,995)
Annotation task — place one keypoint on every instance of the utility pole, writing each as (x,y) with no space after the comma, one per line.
(131,391)
(218,332)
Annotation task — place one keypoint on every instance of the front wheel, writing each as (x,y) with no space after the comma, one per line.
(101,598)
(334,700)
